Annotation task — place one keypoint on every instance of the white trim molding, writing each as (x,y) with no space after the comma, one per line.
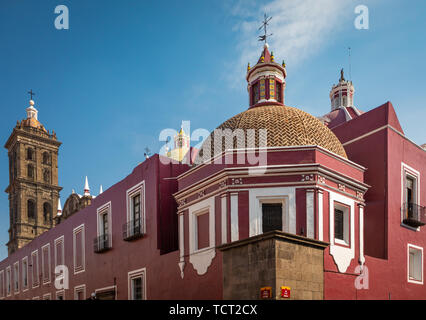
(130,193)
(82,268)
(59,293)
(224,218)
(2,285)
(235,233)
(25,273)
(421,260)
(80,288)
(286,195)
(35,274)
(342,255)
(16,277)
(361,234)
(140,273)
(47,296)
(8,281)
(310,213)
(61,242)
(44,272)
(320,215)
(201,259)
(106,207)
(406,170)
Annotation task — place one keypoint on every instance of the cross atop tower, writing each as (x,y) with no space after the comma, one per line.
(264,25)
(31,93)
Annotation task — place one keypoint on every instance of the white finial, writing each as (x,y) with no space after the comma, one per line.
(31,111)
(101,190)
(59,213)
(73,191)
(86,188)
(266,46)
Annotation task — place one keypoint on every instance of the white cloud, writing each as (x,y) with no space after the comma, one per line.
(300,27)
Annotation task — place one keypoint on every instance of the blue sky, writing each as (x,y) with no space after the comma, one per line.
(125,70)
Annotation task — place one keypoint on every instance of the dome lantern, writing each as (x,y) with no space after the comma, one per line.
(266,81)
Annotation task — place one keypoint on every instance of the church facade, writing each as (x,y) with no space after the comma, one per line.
(278,204)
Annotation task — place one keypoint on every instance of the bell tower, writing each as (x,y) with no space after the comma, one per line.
(33,179)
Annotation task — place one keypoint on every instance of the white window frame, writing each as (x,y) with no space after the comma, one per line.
(406,170)
(412,246)
(256,195)
(76,230)
(140,273)
(272,200)
(3,285)
(16,278)
(60,240)
(25,271)
(47,295)
(8,281)
(346,224)
(196,215)
(130,193)
(79,288)
(47,245)
(36,298)
(60,292)
(107,289)
(99,213)
(35,284)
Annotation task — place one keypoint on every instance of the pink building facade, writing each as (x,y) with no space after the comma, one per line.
(350,182)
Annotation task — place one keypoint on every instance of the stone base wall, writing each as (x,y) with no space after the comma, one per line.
(274,259)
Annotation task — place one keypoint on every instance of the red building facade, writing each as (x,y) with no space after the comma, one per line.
(350,182)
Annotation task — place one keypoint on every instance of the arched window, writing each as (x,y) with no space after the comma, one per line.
(46,158)
(46,176)
(31,209)
(30,171)
(47,212)
(30,154)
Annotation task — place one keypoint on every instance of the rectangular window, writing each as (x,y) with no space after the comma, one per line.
(80,292)
(78,249)
(47,296)
(339,224)
(137,284)
(34,269)
(16,277)
(103,241)
(135,227)
(8,281)
(59,251)
(2,294)
(60,295)
(415,264)
(25,273)
(278,92)
(45,263)
(272,217)
(202,230)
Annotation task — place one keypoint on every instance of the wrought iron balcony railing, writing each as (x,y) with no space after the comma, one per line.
(101,243)
(414,215)
(133,230)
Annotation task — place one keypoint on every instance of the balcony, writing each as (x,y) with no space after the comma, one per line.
(132,230)
(101,243)
(414,215)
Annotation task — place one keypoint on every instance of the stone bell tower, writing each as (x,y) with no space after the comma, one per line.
(33,179)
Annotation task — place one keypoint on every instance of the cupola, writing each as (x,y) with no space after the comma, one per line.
(266,80)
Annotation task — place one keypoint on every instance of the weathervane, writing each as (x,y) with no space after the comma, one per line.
(264,25)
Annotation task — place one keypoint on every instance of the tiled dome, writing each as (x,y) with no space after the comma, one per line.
(286,126)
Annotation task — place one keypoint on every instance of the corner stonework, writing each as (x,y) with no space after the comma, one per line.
(273,259)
